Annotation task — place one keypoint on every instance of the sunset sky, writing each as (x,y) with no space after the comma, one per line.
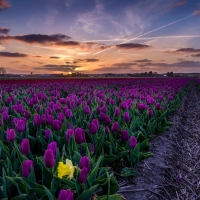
(99,36)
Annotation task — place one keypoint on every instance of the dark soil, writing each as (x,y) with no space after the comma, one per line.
(174,171)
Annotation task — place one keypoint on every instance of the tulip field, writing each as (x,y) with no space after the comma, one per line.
(66,139)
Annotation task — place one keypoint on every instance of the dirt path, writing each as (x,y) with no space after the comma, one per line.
(174,171)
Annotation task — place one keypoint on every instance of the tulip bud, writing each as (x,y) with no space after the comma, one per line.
(98,110)
(133,142)
(53,147)
(68,113)
(49,158)
(61,117)
(43,119)
(92,128)
(79,135)
(96,122)
(158,106)
(10,135)
(49,119)
(104,109)
(85,162)
(25,146)
(66,195)
(126,117)
(69,133)
(83,175)
(37,120)
(5,116)
(115,127)
(47,133)
(107,130)
(117,112)
(124,135)
(102,116)
(27,114)
(150,112)
(21,125)
(26,168)
(107,120)
(56,125)
(87,110)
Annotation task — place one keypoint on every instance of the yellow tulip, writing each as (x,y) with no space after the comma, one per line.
(66,169)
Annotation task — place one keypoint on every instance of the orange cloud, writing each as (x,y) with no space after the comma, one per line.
(196,12)
(4,4)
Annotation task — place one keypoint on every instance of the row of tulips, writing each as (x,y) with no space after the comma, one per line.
(65,139)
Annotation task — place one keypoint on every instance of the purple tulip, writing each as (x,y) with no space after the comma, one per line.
(43,119)
(87,110)
(49,158)
(102,116)
(53,147)
(124,135)
(92,128)
(98,110)
(133,142)
(117,112)
(61,117)
(107,130)
(104,109)
(96,121)
(56,125)
(83,175)
(26,168)
(115,127)
(85,162)
(107,120)
(47,133)
(126,117)
(124,105)
(69,133)
(92,148)
(27,114)
(25,146)
(10,135)
(150,112)
(68,113)
(79,136)
(66,195)
(21,125)
(158,106)
(49,119)
(5,116)
(37,120)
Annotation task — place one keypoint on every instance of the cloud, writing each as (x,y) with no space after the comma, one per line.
(41,63)
(124,64)
(132,46)
(54,57)
(15,62)
(180,59)
(4,4)
(184,50)
(9,54)
(67,43)
(4,30)
(196,12)
(144,60)
(85,60)
(37,38)
(115,69)
(177,4)
(195,55)
(37,56)
(61,68)
(178,65)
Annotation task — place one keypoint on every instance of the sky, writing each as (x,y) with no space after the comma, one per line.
(99,36)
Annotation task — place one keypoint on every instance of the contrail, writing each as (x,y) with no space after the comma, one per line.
(145,38)
(145,33)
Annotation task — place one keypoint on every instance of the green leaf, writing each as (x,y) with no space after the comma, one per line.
(6,150)
(143,156)
(20,197)
(126,172)
(144,144)
(4,184)
(112,158)
(114,187)
(9,168)
(88,193)
(93,174)
(136,150)
(76,158)
(111,197)
(20,156)
(50,196)
(54,184)
(70,183)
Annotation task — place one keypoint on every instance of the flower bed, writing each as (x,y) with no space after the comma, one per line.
(63,139)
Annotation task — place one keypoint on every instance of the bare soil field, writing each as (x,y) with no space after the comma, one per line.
(174,171)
